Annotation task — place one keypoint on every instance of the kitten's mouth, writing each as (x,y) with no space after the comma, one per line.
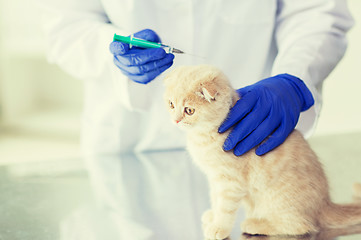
(182,124)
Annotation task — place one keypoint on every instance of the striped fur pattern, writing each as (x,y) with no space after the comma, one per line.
(284,192)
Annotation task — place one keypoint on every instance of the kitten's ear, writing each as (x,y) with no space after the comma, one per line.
(208,93)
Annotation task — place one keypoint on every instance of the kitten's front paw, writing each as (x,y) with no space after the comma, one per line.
(207,216)
(214,231)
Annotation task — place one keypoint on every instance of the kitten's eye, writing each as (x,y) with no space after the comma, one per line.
(189,111)
(171,105)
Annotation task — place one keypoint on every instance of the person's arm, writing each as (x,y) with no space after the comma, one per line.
(310,37)
(78,35)
(311,40)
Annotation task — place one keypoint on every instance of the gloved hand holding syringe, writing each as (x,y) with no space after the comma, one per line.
(147,59)
(141,63)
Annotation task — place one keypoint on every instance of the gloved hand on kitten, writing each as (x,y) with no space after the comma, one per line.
(269,108)
(138,64)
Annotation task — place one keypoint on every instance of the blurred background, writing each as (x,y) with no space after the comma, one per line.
(40,105)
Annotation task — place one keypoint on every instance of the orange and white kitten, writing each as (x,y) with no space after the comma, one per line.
(284,192)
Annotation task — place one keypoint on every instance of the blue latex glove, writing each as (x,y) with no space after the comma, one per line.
(268,110)
(139,64)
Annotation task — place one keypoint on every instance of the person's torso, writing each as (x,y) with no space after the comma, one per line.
(234,35)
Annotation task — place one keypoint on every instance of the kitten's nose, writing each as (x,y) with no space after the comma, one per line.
(177,121)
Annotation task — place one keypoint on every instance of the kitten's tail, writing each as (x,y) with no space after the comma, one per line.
(343,215)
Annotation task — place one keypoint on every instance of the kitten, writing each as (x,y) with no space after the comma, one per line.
(284,192)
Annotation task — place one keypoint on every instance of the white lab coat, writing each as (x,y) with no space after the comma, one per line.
(248,39)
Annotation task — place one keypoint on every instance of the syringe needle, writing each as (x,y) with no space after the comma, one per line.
(174,50)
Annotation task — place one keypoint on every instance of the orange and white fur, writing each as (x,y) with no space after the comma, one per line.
(284,192)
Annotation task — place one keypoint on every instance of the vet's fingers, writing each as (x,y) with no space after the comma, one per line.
(146,78)
(239,111)
(118,48)
(274,140)
(148,67)
(247,125)
(136,57)
(257,136)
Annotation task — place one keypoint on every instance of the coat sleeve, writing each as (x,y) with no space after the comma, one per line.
(311,39)
(78,34)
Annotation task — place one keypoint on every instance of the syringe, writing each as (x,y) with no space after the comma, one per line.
(133,41)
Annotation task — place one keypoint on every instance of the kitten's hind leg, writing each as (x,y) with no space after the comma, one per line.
(257,226)
(277,227)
